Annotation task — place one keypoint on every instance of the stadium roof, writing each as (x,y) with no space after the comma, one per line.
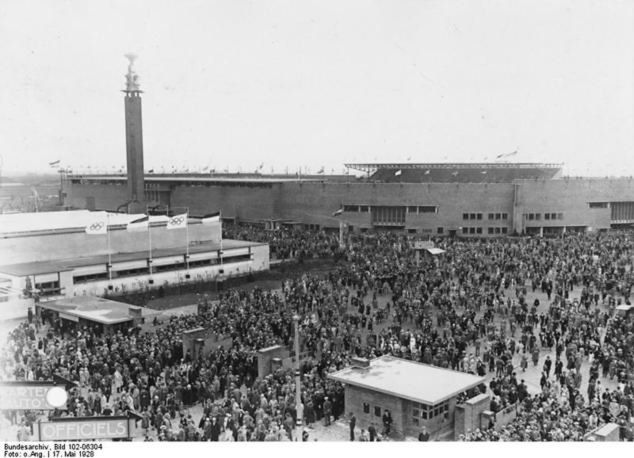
(409,380)
(374,166)
(214,178)
(458,172)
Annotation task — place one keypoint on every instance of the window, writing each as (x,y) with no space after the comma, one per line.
(498,215)
(491,215)
(490,230)
(427,209)
(504,230)
(366,407)
(465,216)
(416,413)
(598,204)
(350,208)
(465,230)
(538,216)
(412,209)
(411,231)
(440,230)
(364,209)
(478,230)
(547,216)
(498,230)
(377,411)
(479,215)
(505,215)
(560,216)
(472,216)
(472,230)
(531,216)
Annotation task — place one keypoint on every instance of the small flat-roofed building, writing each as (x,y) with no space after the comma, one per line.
(102,315)
(416,394)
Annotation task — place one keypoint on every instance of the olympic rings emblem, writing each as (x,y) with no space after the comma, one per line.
(96,226)
(177,220)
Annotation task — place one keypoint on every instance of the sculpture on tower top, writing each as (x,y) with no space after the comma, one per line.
(132,79)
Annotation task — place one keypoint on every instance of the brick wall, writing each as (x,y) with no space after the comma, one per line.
(355,397)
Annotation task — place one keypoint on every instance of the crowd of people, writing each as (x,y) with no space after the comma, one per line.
(467,310)
(288,242)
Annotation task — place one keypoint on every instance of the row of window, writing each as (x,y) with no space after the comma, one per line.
(366,409)
(479,230)
(427,412)
(413,209)
(491,216)
(547,216)
(156,269)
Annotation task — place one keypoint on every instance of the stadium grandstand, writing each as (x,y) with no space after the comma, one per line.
(457,172)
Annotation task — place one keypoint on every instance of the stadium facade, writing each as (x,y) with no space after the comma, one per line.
(471,200)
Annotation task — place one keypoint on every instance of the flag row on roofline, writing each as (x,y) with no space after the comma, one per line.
(178,221)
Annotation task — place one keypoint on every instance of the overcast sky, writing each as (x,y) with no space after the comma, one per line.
(292,83)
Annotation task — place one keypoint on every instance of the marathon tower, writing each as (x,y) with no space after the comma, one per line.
(134,139)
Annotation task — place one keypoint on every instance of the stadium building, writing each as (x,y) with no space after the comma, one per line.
(470,200)
(463,199)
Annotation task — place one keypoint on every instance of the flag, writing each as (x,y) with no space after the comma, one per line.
(177,221)
(427,172)
(138,225)
(321,170)
(338,212)
(500,156)
(398,173)
(211,218)
(99,227)
(54,163)
(150,171)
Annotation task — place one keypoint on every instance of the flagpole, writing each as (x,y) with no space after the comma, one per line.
(149,231)
(221,253)
(187,237)
(109,251)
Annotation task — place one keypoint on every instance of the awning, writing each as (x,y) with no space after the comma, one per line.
(435,251)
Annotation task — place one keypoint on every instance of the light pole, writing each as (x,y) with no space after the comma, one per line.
(298,389)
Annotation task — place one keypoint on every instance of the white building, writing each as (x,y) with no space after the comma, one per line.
(50,255)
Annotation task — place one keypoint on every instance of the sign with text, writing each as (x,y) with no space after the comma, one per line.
(85,429)
(26,396)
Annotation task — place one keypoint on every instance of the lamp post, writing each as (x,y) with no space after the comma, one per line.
(298,390)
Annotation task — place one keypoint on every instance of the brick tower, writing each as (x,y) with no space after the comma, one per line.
(134,140)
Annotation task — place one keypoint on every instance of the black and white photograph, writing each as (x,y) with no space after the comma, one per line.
(320,222)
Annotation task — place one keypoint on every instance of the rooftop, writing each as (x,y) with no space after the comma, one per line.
(409,380)
(95,309)
(63,265)
(50,221)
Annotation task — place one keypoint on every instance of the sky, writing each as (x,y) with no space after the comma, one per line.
(290,84)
